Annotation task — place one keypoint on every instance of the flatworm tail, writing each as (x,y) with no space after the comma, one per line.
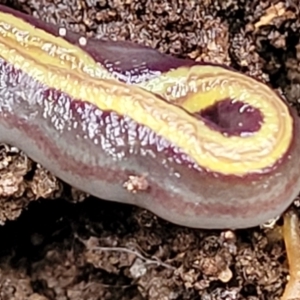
(199,145)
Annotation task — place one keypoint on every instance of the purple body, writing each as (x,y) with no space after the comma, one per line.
(97,151)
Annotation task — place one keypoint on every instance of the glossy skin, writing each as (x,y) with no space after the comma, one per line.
(95,113)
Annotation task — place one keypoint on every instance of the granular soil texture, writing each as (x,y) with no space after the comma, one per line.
(65,248)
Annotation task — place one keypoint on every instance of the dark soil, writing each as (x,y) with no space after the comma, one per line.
(54,245)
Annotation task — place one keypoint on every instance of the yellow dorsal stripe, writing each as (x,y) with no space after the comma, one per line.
(208,148)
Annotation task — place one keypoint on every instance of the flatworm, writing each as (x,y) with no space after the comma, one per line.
(200,145)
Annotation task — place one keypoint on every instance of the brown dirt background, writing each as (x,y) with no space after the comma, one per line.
(54,245)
